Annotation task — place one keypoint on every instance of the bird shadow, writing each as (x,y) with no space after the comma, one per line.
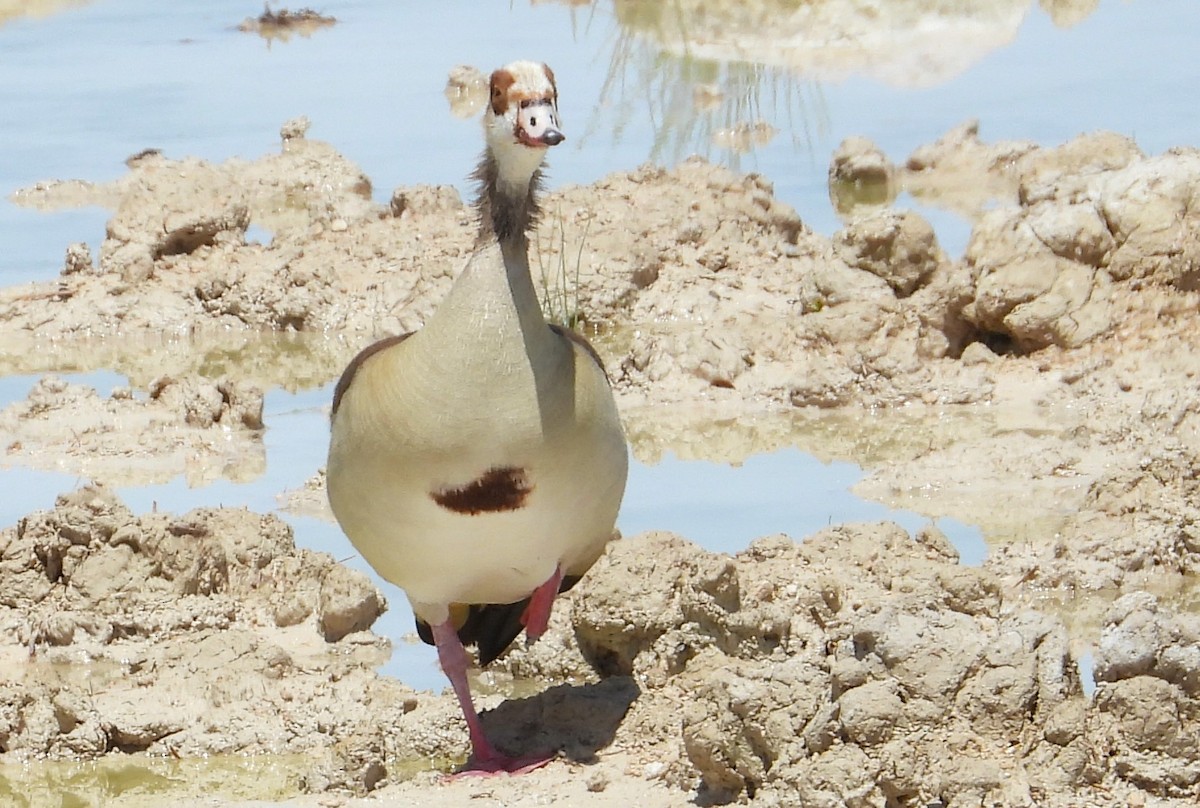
(574,720)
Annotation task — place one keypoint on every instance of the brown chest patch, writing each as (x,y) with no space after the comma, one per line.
(504,488)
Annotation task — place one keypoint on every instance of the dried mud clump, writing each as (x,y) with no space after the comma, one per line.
(901,248)
(1148,702)
(175,257)
(867,667)
(1081,230)
(728,292)
(195,634)
(860,174)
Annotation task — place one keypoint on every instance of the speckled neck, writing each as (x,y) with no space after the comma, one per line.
(507,210)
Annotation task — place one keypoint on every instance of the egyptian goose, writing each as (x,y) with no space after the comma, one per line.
(479,462)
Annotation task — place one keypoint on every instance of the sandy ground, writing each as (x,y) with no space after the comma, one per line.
(1043,387)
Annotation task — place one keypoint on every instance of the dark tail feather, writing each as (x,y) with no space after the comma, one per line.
(492,626)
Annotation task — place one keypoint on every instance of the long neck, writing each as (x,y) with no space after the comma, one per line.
(507,201)
(494,298)
(508,208)
(490,330)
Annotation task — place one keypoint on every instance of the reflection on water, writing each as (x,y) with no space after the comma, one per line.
(35,9)
(283,24)
(717,109)
(285,359)
(146,782)
(909,44)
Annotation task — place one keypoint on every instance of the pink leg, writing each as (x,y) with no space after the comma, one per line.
(485,759)
(537,613)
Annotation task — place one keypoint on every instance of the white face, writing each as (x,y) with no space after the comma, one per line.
(537,123)
(523,107)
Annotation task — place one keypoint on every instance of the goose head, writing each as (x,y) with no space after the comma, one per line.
(521,120)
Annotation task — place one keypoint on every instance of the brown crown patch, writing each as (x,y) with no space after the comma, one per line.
(501,81)
(504,488)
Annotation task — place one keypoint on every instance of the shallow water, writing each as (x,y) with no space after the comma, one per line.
(86,87)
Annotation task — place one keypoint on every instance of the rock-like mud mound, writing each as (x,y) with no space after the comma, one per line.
(176,258)
(1081,231)
(191,635)
(725,285)
(860,667)
(1149,662)
(866,667)
(1048,270)
(729,290)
